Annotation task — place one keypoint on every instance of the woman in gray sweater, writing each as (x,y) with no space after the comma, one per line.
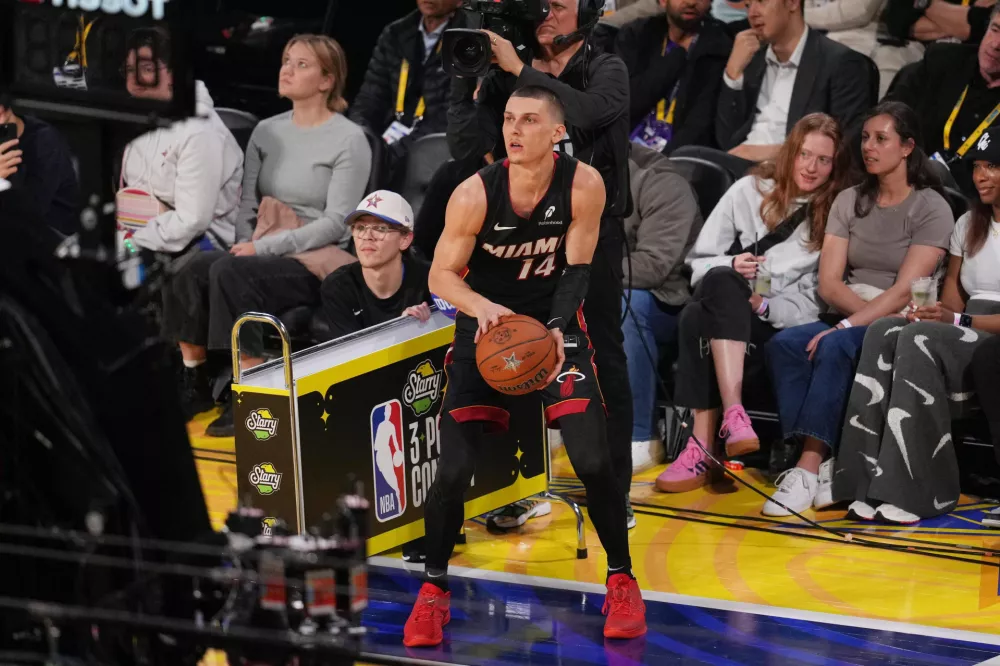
(311,161)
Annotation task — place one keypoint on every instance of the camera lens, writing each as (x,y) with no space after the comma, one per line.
(469,52)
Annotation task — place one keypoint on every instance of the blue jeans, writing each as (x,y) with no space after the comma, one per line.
(656,323)
(812,395)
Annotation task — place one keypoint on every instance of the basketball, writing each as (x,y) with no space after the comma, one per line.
(516,356)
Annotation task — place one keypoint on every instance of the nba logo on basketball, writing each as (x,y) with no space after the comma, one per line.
(388,460)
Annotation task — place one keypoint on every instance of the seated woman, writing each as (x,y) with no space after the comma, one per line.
(306,170)
(897,459)
(193,168)
(882,234)
(774,216)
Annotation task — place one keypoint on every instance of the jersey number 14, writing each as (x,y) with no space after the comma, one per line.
(544,269)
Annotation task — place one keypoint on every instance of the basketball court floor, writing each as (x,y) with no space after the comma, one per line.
(722,584)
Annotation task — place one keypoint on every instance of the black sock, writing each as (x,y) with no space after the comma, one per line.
(627,570)
(437,578)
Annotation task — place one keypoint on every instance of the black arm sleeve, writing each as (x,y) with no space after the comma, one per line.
(572,288)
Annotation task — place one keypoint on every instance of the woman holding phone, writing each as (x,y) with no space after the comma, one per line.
(773,221)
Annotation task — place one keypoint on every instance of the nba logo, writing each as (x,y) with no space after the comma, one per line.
(387,460)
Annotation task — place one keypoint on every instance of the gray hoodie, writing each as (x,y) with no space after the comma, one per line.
(662,228)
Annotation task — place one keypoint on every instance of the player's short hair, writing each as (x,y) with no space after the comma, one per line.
(556,106)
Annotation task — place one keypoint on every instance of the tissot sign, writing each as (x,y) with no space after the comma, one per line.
(133,8)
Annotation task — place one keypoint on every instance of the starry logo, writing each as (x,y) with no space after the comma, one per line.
(262,424)
(423,388)
(512,362)
(267,526)
(265,478)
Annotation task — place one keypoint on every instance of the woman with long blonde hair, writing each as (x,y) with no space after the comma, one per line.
(769,224)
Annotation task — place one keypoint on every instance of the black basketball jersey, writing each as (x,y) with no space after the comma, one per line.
(517,261)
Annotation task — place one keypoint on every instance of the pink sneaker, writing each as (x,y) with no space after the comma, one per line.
(688,472)
(738,433)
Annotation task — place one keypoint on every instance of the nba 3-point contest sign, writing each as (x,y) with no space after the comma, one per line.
(370,409)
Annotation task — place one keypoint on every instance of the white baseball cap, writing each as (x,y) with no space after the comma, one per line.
(384,205)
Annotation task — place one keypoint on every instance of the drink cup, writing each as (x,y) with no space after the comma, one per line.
(923,292)
(762,283)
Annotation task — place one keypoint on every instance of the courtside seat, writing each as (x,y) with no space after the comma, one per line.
(709,180)
(424,158)
(240,123)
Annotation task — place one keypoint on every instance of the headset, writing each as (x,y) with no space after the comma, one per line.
(589,12)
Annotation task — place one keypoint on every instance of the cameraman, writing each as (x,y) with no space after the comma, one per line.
(594,88)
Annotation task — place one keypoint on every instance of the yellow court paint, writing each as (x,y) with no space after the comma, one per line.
(724,562)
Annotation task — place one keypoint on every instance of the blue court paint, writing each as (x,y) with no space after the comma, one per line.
(500,623)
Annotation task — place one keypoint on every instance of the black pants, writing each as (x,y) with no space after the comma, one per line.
(203,301)
(986,377)
(719,310)
(602,310)
(584,436)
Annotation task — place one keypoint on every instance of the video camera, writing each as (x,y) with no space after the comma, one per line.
(467,52)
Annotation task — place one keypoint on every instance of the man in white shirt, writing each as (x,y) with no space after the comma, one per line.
(779,71)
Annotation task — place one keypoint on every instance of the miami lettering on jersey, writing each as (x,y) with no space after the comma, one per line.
(516,251)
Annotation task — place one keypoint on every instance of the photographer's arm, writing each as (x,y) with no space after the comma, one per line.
(474,125)
(605,99)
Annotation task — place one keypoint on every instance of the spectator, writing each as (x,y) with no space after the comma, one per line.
(774,217)
(675,63)
(801,71)
(594,89)
(933,20)
(729,11)
(986,379)
(659,232)
(882,234)
(384,283)
(855,24)
(39,168)
(897,459)
(303,167)
(193,168)
(405,92)
(956,94)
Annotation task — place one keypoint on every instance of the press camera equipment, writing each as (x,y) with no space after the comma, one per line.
(467,52)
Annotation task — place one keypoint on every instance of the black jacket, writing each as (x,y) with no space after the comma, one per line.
(594,90)
(932,89)
(375,105)
(652,76)
(832,78)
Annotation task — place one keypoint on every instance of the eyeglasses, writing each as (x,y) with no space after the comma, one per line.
(147,69)
(378,231)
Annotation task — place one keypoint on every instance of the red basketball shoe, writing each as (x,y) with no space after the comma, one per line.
(624,607)
(429,615)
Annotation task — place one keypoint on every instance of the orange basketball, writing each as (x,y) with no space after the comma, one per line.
(516,356)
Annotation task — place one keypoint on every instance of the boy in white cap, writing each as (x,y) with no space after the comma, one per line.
(386,281)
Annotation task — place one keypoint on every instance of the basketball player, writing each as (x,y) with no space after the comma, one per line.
(525,229)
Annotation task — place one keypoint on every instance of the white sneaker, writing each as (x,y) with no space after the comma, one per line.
(860,511)
(824,494)
(893,514)
(518,513)
(796,490)
(646,455)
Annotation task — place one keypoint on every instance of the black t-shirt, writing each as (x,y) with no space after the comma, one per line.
(350,306)
(45,184)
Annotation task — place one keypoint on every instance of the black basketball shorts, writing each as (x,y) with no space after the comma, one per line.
(469,398)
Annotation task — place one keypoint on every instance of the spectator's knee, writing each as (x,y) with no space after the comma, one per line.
(723,278)
(918,336)
(883,326)
(226,270)
(689,322)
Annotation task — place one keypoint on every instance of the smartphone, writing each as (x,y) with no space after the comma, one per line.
(8,132)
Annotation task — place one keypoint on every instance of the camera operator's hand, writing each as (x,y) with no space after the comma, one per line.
(9,158)
(504,54)
(745,46)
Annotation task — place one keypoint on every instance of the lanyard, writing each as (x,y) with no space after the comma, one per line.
(964,148)
(663,114)
(404,77)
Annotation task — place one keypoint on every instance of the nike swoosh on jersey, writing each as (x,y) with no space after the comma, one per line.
(497,227)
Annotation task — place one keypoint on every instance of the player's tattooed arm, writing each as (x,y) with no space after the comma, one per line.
(463,220)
